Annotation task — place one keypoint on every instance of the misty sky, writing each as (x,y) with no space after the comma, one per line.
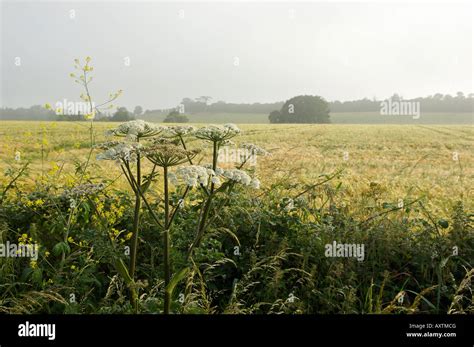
(340,51)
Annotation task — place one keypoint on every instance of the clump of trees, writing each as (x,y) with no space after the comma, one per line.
(175,117)
(122,115)
(302,109)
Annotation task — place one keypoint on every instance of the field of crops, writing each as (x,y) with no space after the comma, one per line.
(404,191)
(406,162)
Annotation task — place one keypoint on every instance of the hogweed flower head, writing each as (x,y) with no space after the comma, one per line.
(115,150)
(179,130)
(192,175)
(167,154)
(136,129)
(238,176)
(217,133)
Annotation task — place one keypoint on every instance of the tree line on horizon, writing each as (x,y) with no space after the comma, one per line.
(432,103)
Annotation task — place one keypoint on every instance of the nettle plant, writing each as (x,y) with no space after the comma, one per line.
(166,149)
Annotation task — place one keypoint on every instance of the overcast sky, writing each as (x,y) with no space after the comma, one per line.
(236,52)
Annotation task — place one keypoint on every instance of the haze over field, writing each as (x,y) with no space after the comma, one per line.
(159,53)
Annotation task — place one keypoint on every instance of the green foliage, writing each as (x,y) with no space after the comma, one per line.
(122,115)
(176,117)
(302,109)
(258,257)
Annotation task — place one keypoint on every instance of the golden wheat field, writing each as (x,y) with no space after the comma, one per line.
(399,161)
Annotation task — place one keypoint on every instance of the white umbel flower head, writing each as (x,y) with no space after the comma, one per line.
(192,175)
(115,150)
(136,129)
(179,130)
(237,176)
(217,133)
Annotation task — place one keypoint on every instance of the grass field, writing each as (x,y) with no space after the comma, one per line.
(406,160)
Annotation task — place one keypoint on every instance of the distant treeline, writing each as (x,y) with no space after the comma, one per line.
(433,103)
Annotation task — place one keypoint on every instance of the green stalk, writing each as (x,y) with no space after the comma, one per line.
(136,221)
(206,208)
(166,245)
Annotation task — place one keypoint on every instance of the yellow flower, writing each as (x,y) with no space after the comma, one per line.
(47,106)
(88,59)
(70,239)
(39,202)
(33,264)
(73,267)
(128,236)
(90,116)
(46,254)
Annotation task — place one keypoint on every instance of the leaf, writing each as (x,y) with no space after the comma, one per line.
(123,271)
(231,234)
(60,248)
(443,223)
(37,275)
(175,280)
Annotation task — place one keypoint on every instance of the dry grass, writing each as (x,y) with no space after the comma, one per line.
(390,162)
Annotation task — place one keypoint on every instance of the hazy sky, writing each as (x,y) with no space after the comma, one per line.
(237,52)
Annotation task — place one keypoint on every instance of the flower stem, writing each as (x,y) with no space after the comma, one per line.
(207,206)
(166,244)
(136,221)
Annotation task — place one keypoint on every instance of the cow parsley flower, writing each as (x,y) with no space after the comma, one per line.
(136,129)
(217,133)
